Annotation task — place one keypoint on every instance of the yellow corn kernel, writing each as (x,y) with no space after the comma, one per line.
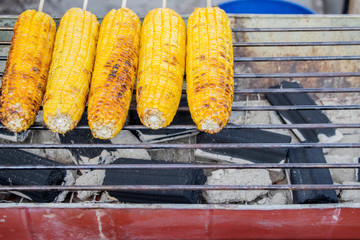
(161,67)
(70,71)
(27,68)
(210,68)
(114,75)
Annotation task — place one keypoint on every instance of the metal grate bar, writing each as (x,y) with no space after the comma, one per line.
(179,146)
(294,58)
(277,59)
(275,44)
(305,29)
(290,75)
(277,108)
(285,108)
(297,90)
(178,187)
(185,166)
(245,126)
(294,44)
(298,75)
(300,29)
(6,28)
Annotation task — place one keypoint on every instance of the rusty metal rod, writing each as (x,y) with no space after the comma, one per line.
(294,44)
(299,29)
(276,108)
(295,58)
(275,44)
(297,90)
(277,59)
(178,187)
(290,75)
(297,75)
(302,29)
(186,166)
(284,108)
(178,145)
(245,126)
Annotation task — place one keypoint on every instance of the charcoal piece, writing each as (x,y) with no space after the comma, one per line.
(310,176)
(302,116)
(30,177)
(154,177)
(14,137)
(261,155)
(357,172)
(83,136)
(161,135)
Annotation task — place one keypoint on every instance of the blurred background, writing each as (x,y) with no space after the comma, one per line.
(57,8)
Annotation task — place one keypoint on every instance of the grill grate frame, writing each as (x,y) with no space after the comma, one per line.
(236,108)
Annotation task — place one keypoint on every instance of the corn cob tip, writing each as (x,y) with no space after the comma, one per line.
(15,122)
(103,131)
(210,126)
(153,119)
(60,123)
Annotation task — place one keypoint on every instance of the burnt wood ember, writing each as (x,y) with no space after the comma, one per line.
(261,155)
(161,135)
(154,177)
(30,177)
(302,116)
(310,176)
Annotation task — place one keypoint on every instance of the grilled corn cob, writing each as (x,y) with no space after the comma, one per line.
(26,72)
(70,70)
(114,75)
(161,67)
(209,69)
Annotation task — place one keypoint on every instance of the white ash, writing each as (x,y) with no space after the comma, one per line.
(279,198)
(105,197)
(14,137)
(257,117)
(352,196)
(48,137)
(344,153)
(277,175)
(344,116)
(68,181)
(126,137)
(106,157)
(260,117)
(236,177)
(95,177)
(341,175)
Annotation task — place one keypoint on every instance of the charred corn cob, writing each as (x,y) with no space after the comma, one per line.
(161,67)
(26,72)
(114,75)
(70,70)
(209,69)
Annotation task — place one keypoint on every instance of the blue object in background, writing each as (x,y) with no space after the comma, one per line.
(264,7)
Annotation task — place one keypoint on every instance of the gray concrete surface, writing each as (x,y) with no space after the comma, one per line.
(141,7)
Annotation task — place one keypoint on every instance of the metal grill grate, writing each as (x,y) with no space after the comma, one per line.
(246,92)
